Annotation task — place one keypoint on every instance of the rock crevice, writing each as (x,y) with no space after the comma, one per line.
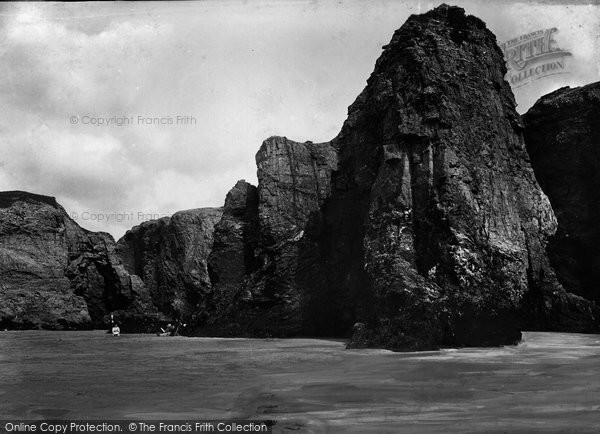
(562,133)
(56,275)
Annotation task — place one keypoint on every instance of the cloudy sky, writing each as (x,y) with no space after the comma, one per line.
(234,72)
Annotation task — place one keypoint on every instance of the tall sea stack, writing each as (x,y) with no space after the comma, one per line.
(422,221)
(450,223)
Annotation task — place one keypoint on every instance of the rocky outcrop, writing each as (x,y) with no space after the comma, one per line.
(170,256)
(420,225)
(231,261)
(435,134)
(451,221)
(56,275)
(294,180)
(271,286)
(422,219)
(562,133)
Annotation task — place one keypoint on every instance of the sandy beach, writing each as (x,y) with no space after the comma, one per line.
(547,383)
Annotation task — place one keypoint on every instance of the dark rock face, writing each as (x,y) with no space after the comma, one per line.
(97,274)
(562,133)
(56,275)
(422,219)
(294,180)
(170,256)
(420,225)
(435,133)
(431,166)
(265,266)
(231,260)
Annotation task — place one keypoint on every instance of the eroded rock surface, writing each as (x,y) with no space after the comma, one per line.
(232,259)
(274,284)
(56,275)
(170,256)
(562,133)
(435,137)
(420,225)
(422,219)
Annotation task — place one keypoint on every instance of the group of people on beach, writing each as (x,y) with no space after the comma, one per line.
(169,330)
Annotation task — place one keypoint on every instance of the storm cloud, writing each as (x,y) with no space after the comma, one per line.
(237,72)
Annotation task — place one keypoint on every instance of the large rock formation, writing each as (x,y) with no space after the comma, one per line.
(422,219)
(56,275)
(420,225)
(562,133)
(170,256)
(266,267)
(294,181)
(435,135)
(451,222)
(232,259)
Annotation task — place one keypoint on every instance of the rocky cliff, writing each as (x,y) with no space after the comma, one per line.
(170,256)
(434,167)
(562,133)
(420,225)
(231,261)
(266,265)
(422,219)
(56,275)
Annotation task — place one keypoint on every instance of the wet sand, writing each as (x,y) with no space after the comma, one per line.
(550,382)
